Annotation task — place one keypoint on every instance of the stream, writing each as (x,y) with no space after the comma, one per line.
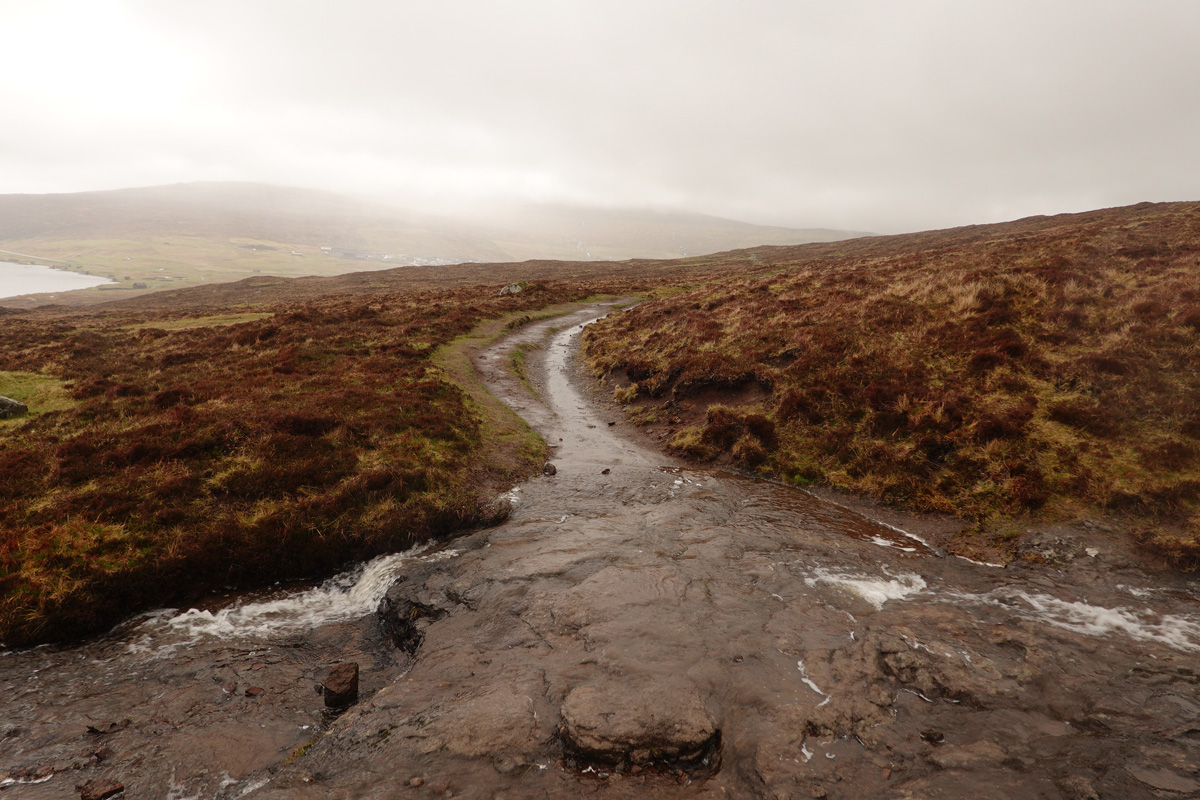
(638,628)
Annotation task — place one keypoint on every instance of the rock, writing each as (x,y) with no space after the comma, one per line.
(1165,780)
(978,756)
(605,471)
(403,619)
(495,722)
(549,469)
(341,687)
(255,691)
(416,781)
(1077,787)
(99,789)
(512,288)
(615,721)
(496,510)
(12,408)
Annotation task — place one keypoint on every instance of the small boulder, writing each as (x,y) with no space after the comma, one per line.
(512,288)
(12,408)
(341,687)
(549,469)
(619,721)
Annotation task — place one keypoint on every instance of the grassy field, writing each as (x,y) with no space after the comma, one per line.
(1044,367)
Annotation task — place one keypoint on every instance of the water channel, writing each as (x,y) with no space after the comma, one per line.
(639,628)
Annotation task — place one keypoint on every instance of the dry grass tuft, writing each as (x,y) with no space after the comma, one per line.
(1044,365)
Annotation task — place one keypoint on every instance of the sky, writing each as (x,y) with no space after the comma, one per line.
(876,115)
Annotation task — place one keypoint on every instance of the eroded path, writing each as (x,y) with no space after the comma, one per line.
(641,629)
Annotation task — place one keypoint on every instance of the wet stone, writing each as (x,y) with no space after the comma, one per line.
(616,722)
(100,789)
(980,755)
(341,687)
(549,469)
(1165,779)
(404,618)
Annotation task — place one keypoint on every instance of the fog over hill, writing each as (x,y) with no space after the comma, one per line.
(305,220)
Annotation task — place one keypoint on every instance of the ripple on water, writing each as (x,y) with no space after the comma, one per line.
(1144,624)
(875,590)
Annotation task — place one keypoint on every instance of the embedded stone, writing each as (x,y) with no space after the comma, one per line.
(100,789)
(341,687)
(640,723)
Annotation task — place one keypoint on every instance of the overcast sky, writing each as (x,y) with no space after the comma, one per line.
(882,115)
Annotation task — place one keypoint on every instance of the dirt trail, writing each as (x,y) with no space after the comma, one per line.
(641,629)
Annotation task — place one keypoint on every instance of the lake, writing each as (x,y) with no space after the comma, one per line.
(18,279)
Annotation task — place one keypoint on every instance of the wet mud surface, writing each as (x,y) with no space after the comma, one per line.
(638,628)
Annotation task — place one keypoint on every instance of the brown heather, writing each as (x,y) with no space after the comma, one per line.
(196,456)
(1050,365)
(273,429)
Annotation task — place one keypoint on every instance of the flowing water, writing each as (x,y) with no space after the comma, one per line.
(640,628)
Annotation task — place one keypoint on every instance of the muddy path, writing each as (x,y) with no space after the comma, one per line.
(638,628)
(642,629)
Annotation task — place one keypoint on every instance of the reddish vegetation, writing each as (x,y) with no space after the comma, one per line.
(1047,364)
(234,454)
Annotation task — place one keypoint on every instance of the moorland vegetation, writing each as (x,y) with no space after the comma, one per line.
(185,454)
(1047,366)
(273,429)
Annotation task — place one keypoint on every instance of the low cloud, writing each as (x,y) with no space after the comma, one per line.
(883,116)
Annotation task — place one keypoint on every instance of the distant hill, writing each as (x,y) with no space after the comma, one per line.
(186,234)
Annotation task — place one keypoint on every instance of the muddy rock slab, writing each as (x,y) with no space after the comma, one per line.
(629,721)
(100,789)
(1165,780)
(980,755)
(498,721)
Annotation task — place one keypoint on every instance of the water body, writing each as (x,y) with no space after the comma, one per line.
(19,279)
(631,603)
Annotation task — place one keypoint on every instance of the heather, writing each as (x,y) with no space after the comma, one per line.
(172,451)
(1041,367)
